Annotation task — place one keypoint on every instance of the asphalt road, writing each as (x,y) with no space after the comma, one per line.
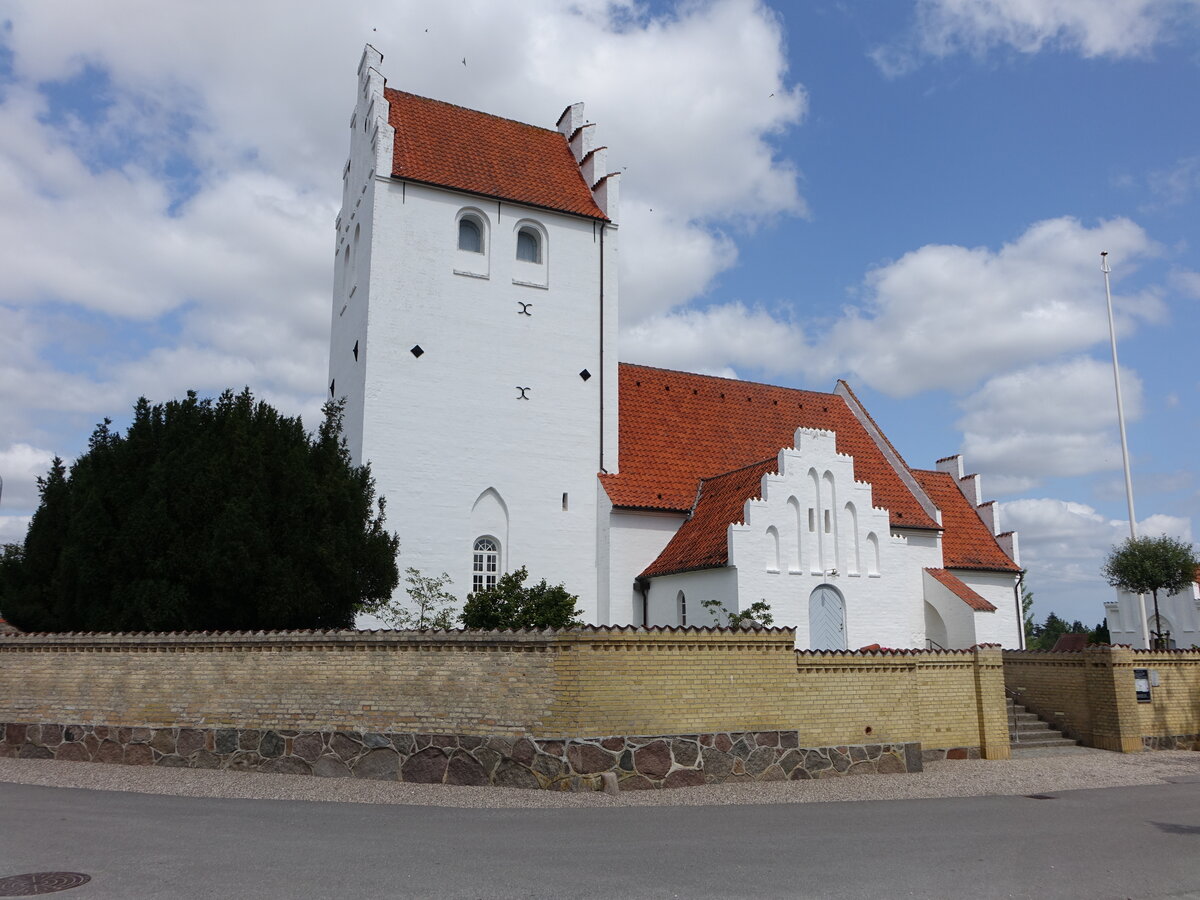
(1117,842)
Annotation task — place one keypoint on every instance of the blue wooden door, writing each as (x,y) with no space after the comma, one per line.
(826,619)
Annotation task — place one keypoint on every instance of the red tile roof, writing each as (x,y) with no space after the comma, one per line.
(956,586)
(967,543)
(451,146)
(677,428)
(700,543)
(1070,642)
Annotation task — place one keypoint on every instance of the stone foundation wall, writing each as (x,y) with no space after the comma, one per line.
(1171,742)
(640,763)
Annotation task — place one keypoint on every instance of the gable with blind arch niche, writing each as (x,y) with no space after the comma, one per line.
(821,518)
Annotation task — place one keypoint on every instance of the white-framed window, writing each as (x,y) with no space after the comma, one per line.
(485,563)
(682,599)
(470,234)
(529,245)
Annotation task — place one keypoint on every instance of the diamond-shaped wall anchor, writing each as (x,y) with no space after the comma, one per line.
(585,374)
(416,351)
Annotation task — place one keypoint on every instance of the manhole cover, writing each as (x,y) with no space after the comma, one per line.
(41,883)
(1040,797)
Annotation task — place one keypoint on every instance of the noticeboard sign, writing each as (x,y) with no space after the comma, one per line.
(1141,685)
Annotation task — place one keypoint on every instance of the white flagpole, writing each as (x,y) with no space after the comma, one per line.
(1112,336)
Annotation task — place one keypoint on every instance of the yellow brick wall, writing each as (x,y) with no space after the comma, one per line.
(1175,704)
(590,682)
(1053,685)
(344,681)
(1091,693)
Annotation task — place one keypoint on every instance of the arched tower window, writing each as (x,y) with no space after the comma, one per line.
(485,563)
(682,600)
(470,234)
(529,245)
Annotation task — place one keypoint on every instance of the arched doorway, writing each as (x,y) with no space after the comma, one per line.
(936,637)
(826,619)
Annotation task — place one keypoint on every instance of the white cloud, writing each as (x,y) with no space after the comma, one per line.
(945,316)
(230,280)
(13,528)
(1063,545)
(1186,283)
(1091,28)
(1176,185)
(20,467)
(716,340)
(1057,419)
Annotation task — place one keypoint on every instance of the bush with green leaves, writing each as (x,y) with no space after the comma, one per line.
(510,604)
(204,515)
(1147,565)
(757,613)
(432,605)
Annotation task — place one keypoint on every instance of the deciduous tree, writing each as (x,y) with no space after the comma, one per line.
(1147,565)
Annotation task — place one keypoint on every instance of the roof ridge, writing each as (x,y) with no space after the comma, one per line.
(476,112)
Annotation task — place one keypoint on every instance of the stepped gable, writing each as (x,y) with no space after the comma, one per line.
(967,543)
(964,593)
(700,543)
(677,428)
(454,147)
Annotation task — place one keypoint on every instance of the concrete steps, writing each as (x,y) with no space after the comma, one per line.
(1028,732)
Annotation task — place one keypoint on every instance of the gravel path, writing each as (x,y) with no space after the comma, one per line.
(1032,772)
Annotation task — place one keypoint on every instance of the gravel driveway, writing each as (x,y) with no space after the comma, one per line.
(1030,772)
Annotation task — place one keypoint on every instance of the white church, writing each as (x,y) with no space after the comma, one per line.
(474,340)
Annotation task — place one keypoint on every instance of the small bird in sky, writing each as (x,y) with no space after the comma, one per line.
(464,60)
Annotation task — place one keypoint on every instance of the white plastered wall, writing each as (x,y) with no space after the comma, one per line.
(446,428)
(696,586)
(1002,626)
(635,538)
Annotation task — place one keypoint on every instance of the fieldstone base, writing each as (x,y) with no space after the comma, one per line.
(639,763)
(951,753)
(1171,742)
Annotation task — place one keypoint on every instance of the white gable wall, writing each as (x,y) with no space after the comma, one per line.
(883,599)
(1180,614)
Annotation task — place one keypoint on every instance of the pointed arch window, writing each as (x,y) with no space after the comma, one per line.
(485,563)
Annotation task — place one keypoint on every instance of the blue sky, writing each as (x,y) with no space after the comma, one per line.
(909,195)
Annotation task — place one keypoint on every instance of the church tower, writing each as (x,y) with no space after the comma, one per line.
(474,334)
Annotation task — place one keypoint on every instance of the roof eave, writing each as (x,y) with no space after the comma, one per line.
(598,217)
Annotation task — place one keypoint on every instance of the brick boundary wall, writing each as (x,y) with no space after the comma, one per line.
(1090,695)
(666,706)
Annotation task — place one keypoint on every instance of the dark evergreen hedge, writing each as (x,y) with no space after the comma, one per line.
(205,515)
